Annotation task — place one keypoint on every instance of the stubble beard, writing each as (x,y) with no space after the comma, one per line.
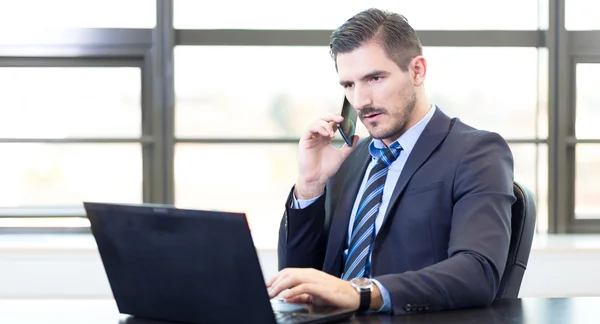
(399,120)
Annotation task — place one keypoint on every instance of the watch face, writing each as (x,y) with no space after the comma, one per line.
(361,282)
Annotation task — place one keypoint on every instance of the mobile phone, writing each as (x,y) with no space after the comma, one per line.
(348,126)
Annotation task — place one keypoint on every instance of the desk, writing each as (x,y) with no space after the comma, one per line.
(521,311)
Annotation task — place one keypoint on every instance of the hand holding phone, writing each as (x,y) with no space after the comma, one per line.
(347,127)
(319,160)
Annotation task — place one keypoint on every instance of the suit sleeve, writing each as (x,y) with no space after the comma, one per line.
(302,236)
(479,237)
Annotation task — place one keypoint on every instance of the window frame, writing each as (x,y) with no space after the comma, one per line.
(96,48)
(429,38)
(153,48)
(566,49)
(574,224)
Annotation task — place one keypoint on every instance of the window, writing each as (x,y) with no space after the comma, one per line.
(587,173)
(479,86)
(229,98)
(587,156)
(531,170)
(224,92)
(35,14)
(582,14)
(70,102)
(313,14)
(250,178)
(68,134)
(587,101)
(265,92)
(64,175)
(256,179)
(292,86)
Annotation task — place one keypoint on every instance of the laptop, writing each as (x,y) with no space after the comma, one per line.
(190,266)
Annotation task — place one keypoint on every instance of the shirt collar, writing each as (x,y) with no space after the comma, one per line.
(406,140)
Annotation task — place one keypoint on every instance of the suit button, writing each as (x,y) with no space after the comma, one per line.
(408,307)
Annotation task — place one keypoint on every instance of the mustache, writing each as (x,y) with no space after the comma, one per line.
(370,111)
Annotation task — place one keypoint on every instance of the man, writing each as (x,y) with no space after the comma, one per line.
(417,216)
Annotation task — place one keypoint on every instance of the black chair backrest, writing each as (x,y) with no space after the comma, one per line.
(523,226)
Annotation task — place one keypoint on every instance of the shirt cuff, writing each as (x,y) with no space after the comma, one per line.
(302,203)
(385,294)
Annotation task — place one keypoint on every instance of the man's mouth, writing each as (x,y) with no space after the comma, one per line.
(370,116)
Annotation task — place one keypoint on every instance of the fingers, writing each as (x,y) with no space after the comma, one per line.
(325,126)
(271,281)
(284,280)
(274,286)
(313,286)
(331,291)
(322,128)
(303,289)
(346,150)
(299,299)
(282,284)
(335,118)
(289,278)
(277,276)
(334,127)
(281,274)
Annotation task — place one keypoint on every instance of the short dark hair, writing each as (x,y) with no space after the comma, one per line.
(391,30)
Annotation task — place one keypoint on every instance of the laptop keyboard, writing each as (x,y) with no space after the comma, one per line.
(292,317)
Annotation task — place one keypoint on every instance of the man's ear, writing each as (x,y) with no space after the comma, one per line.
(418,70)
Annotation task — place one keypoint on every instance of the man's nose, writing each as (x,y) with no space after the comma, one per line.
(362,98)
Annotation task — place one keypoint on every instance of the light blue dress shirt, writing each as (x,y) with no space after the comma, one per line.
(407,141)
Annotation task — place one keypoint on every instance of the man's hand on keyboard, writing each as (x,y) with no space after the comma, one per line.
(313,286)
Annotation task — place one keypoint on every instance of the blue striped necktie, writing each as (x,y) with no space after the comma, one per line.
(356,264)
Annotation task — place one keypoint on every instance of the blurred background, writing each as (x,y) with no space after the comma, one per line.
(201,103)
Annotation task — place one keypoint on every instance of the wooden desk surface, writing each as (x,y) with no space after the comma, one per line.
(523,311)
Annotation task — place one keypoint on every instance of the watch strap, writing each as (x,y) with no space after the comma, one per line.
(365,299)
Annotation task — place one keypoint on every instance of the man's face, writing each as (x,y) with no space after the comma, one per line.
(383,95)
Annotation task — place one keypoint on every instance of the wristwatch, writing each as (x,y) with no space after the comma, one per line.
(364,286)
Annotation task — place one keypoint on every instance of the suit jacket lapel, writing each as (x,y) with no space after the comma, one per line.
(432,136)
(341,217)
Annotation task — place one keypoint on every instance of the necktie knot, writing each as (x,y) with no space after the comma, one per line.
(387,155)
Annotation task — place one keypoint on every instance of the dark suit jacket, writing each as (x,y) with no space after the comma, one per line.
(445,237)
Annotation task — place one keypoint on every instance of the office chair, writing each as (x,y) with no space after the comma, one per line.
(523,226)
